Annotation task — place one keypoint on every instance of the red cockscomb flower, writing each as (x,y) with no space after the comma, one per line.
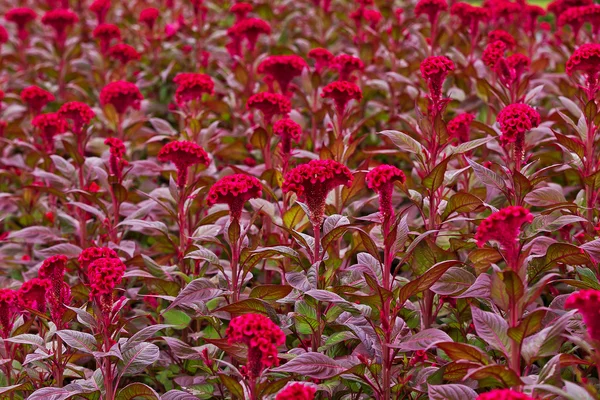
(241,10)
(502,36)
(520,62)
(503,394)
(282,69)
(434,70)
(504,10)
(313,181)
(149,16)
(105,33)
(60,20)
(573,17)
(288,130)
(117,152)
(493,52)
(346,65)
(8,306)
(250,29)
(341,92)
(459,127)
(21,17)
(432,8)
(59,293)
(504,227)
(122,95)
(533,13)
(586,59)
(515,120)
(3,35)
(183,154)
(261,336)
(49,125)
(123,53)
(235,191)
(91,254)
(381,179)
(557,7)
(36,98)
(100,8)
(297,391)
(470,15)
(80,114)
(322,58)
(270,104)
(104,274)
(587,302)
(192,86)
(32,294)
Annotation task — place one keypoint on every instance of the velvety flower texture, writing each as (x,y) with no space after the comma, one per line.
(60,20)
(515,120)
(105,33)
(493,52)
(297,391)
(322,58)
(459,126)
(32,294)
(381,179)
(503,394)
(122,95)
(241,10)
(191,86)
(21,17)
(288,130)
(8,306)
(123,53)
(585,59)
(502,36)
(149,16)
(117,152)
(80,114)
(100,8)
(282,69)
(91,254)
(557,7)
(431,8)
(313,181)
(59,293)
(346,65)
(469,15)
(250,29)
(36,98)
(434,70)
(235,191)
(341,92)
(183,154)
(104,275)
(270,104)
(261,336)
(587,302)
(49,125)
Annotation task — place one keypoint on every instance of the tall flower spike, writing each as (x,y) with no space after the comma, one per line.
(313,181)
(60,20)
(183,154)
(49,125)
(80,114)
(32,294)
(458,128)
(515,120)
(59,294)
(503,394)
(122,95)
(235,191)
(341,92)
(587,302)
(261,336)
(250,29)
(381,179)
(470,15)
(282,69)
(104,275)
(105,33)
(21,17)
(297,391)
(91,254)
(149,16)
(322,58)
(8,306)
(36,98)
(270,104)
(288,130)
(117,153)
(431,8)
(434,70)
(100,8)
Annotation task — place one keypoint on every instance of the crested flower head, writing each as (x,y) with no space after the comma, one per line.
(459,126)
(322,58)
(91,254)
(191,86)
(288,130)
(117,154)
(100,8)
(313,181)
(105,33)
(250,29)
(346,65)
(32,294)
(502,36)
(78,113)
(503,226)
(36,98)
(121,95)
(585,59)
(469,14)
(341,92)
(123,53)
(504,394)
(104,274)
(261,336)
(434,70)
(297,391)
(587,302)
(282,69)
(493,52)
(21,17)
(381,179)
(183,154)
(149,16)
(515,120)
(60,20)
(557,7)
(431,8)
(235,191)
(59,293)
(270,104)
(49,125)
(8,307)
(241,9)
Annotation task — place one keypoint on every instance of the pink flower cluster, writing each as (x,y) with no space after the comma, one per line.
(503,394)
(270,104)
(183,154)
(587,302)
(235,191)
(381,179)
(297,391)
(515,120)
(282,69)
(191,86)
(459,127)
(503,226)
(121,95)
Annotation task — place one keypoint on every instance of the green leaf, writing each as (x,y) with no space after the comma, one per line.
(270,292)
(462,202)
(137,391)
(557,253)
(463,351)
(495,375)
(235,389)
(530,324)
(177,319)
(425,281)
(404,142)
(435,179)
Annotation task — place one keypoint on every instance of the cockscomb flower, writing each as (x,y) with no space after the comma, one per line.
(557,7)
(587,302)
(586,59)
(100,8)
(373,17)
(504,10)
(3,35)
(49,125)
(59,293)
(502,36)
(36,98)
(288,130)
(533,13)
(21,17)
(504,227)
(313,181)
(503,394)
(105,33)
(493,52)
(515,120)
(8,306)
(346,65)
(250,29)
(235,191)
(297,391)
(191,86)
(282,69)
(381,179)
(183,154)
(434,70)
(431,8)
(121,95)
(32,294)
(241,10)
(573,17)
(104,274)
(78,113)
(519,62)
(459,127)
(261,336)
(91,254)
(270,104)
(123,53)
(60,20)
(117,152)
(322,58)
(470,15)
(149,16)
(341,92)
